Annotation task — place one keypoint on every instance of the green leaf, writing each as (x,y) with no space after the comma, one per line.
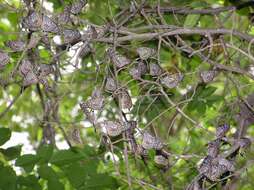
(198,4)
(5,135)
(50,175)
(11,152)
(13,18)
(30,182)
(201,108)
(101,181)
(55,185)
(207,91)
(27,161)
(76,174)
(191,20)
(7,178)
(63,157)
(214,98)
(47,173)
(45,152)
(44,54)
(88,151)
(193,104)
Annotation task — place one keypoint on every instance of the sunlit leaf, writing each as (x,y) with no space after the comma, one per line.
(11,152)
(191,20)
(45,152)
(5,135)
(27,161)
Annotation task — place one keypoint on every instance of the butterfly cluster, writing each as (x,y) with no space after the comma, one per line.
(151,142)
(208,76)
(144,66)
(33,73)
(4,59)
(145,52)
(118,59)
(217,164)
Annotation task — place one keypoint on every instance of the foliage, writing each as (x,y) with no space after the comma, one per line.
(145,94)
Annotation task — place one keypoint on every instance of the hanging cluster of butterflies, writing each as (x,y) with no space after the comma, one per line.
(122,95)
(219,162)
(41,29)
(138,146)
(117,128)
(140,68)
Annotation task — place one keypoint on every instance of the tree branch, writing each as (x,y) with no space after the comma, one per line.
(178,31)
(185,10)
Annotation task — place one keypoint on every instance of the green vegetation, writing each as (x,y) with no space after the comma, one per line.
(126,94)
